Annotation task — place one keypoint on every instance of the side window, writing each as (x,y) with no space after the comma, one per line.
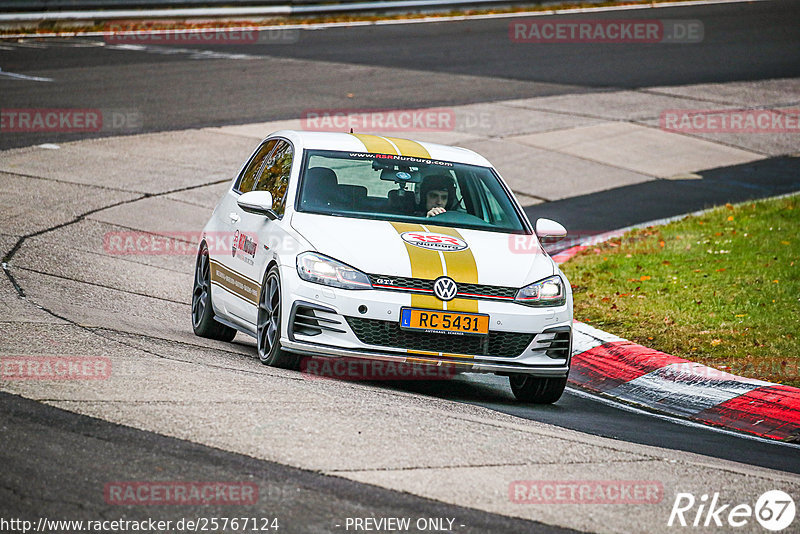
(493,211)
(248,178)
(275,176)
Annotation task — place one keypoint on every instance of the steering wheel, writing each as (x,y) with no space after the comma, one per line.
(457,217)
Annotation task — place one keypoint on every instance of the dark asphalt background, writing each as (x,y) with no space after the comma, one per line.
(394,66)
(55,462)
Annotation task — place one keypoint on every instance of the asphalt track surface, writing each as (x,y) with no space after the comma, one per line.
(81,454)
(414,65)
(395,66)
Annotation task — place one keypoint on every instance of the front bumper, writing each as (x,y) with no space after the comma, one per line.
(331,322)
(313,349)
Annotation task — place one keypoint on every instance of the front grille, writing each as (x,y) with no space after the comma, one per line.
(389,334)
(420,285)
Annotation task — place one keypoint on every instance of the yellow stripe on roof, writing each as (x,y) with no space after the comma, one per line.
(410,148)
(376,144)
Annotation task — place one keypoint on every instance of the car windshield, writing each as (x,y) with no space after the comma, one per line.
(405,188)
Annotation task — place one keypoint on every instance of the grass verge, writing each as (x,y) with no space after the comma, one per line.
(722,289)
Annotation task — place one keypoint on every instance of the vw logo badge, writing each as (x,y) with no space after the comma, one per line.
(445,288)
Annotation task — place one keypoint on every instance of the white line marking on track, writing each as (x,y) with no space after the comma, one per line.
(30,44)
(169,51)
(24,77)
(676,420)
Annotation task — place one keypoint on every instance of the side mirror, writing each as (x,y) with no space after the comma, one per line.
(258,203)
(549,231)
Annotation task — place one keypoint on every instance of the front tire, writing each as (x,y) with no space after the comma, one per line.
(269,324)
(537,389)
(203,322)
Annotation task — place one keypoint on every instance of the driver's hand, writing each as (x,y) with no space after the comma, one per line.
(436,211)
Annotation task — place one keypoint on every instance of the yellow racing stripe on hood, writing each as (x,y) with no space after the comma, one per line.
(376,144)
(461,267)
(425,264)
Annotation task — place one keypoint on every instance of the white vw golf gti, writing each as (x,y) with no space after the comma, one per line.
(338,245)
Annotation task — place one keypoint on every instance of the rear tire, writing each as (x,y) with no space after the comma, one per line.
(537,389)
(203,322)
(269,324)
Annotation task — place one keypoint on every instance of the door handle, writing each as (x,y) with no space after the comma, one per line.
(234,217)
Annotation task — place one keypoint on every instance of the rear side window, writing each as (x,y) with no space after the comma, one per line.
(274,176)
(248,178)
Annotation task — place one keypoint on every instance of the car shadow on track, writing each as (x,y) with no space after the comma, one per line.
(489,391)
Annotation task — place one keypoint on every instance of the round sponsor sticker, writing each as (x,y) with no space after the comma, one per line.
(433,241)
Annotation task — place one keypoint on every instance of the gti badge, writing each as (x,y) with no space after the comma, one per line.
(445,288)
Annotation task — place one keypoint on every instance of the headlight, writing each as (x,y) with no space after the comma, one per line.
(320,269)
(547,292)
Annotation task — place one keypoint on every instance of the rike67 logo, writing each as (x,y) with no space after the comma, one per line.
(774,510)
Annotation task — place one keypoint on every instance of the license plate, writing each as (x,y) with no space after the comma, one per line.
(444,322)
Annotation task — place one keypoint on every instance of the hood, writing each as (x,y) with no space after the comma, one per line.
(427,251)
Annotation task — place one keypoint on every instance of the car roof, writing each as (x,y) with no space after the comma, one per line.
(382,145)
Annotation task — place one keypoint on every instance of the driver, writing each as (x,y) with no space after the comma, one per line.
(437,194)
